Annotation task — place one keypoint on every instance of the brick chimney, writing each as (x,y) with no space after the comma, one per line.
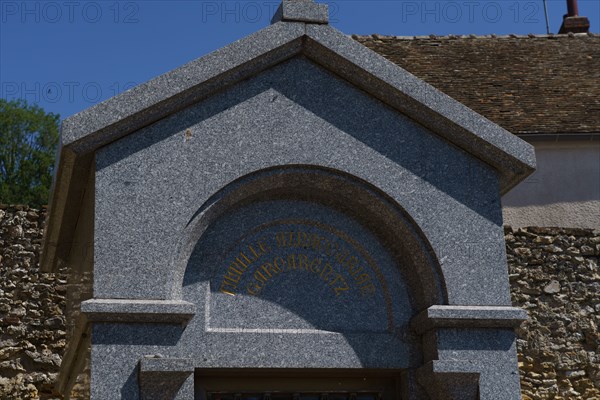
(572,22)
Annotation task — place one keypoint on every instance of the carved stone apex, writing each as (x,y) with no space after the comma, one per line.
(302,11)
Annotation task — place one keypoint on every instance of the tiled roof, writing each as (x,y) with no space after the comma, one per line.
(527,84)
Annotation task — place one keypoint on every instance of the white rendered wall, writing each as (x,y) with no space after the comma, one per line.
(565,189)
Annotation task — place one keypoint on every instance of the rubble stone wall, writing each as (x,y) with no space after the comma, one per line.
(554,275)
(32,323)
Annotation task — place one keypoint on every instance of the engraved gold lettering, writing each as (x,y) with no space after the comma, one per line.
(314,265)
(235,271)
(338,277)
(342,285)
(301,239)
(357,271)
(263,247)
(237,266)
(303,262)
(368,289)
(254,289)
(351,265)
(230,278)
(222,289)
(338,290)
(256,255)
(240,262)
(315,242)
(280,238)
(362,279)
(330,258)
(291,261)
(340,257)
(266,268)
(260,277)
(326,271)
(328,248)
(249,261)
(279,264)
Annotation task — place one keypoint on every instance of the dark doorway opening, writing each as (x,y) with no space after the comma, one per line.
(297,385)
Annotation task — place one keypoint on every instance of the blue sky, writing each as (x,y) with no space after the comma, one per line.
(69,55)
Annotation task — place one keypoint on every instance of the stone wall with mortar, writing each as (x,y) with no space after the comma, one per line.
(554,276)
(32,324)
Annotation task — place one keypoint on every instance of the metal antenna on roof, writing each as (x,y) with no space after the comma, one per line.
(546,14)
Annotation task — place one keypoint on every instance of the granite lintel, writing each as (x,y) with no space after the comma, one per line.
(302,11)
(440,316)
(125,310)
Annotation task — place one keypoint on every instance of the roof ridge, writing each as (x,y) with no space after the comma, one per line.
(472,36)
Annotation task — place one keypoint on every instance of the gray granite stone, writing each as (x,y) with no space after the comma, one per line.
(445,380)
(488,353)
(156,363)
(412,96)
(298,322)
(468,316)
(168,311)
(166,378)
(290,202)
(116,352)
(310,274)
(253,127)
(176,89)
(87,131)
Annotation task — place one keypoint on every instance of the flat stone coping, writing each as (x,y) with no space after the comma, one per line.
(468,317)
(125,310)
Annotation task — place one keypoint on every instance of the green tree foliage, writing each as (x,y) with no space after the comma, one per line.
(28,140)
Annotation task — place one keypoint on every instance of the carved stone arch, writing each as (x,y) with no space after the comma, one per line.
(349,194)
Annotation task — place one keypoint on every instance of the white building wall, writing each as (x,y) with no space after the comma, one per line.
(565,189)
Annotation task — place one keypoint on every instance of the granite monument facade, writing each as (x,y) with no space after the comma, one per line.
(316,222)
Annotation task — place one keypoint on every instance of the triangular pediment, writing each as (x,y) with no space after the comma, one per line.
(91,129)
